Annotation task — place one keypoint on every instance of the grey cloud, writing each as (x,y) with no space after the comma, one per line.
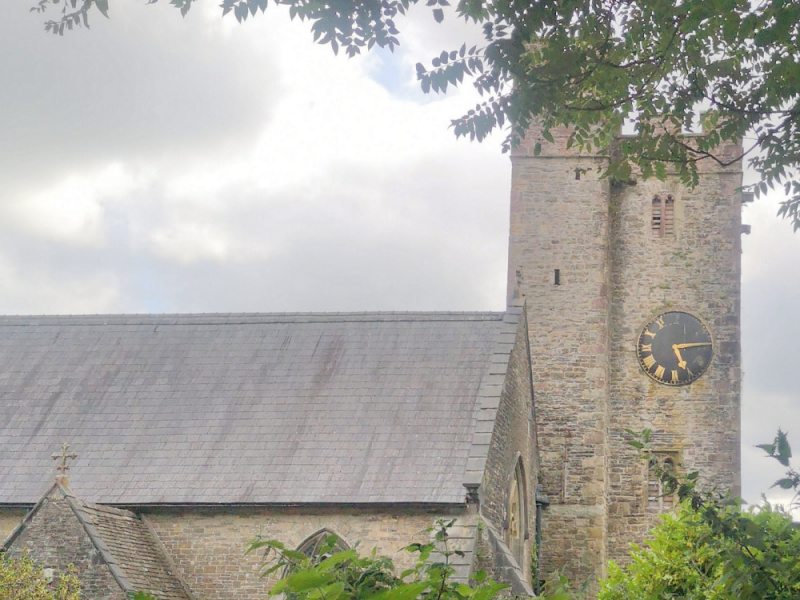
(770,291)
(151,88)
(141,85)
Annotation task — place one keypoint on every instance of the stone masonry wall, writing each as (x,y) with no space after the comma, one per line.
(208,545)
(614,276)
(55,539)
(697,270)
(559,220)
(514,437)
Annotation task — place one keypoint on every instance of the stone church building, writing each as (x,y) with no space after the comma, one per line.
(193,433)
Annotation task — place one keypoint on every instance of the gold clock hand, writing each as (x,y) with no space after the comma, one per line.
(681,362)
(682,346)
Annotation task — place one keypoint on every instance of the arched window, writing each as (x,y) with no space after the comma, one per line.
(658,500)
(322,544)
(516,530)
(318,546)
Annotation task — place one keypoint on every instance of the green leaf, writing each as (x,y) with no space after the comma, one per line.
(304,580)
(785,483)
(330,592)
(464,590)
(488,591)
(102,6)
(407,591)
(623,173)
(336,560)
(768,448)
(479,576)
(279,587)
(784,451)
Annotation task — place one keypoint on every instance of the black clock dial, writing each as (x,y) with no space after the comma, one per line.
(674,348)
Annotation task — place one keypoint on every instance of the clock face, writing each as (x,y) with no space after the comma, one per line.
(674,348)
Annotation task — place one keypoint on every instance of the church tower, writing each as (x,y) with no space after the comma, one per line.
(633,292)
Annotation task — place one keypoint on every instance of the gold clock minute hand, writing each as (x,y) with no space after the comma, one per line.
(681,362)
(694,345)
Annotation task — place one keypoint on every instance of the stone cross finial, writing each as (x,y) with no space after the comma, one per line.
(64,455)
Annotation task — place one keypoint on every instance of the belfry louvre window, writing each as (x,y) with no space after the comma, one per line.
(659,498)
(662,222)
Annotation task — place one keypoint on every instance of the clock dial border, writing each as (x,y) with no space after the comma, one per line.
(653,368)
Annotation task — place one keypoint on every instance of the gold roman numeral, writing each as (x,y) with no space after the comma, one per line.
(646,348)
(648,361)
(674,376)
(659,372)
(660,322)
(650,333)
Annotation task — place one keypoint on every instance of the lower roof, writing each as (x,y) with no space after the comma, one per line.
(243,408)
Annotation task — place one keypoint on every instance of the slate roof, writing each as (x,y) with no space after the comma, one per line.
(248,408)
(125,543)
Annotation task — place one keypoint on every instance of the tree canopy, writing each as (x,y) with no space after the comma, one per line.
(25,579)
(731,67)
(711,548)
(329,574)
(686,557)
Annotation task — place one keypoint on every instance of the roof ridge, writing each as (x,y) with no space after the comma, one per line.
(247,318)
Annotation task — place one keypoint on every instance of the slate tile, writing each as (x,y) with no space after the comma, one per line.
(219,395)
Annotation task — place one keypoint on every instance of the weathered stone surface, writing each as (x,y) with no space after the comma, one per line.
(55,539)
(513,440)
(207,545)
(613,276)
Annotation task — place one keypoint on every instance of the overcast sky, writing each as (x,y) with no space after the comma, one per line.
(161,164)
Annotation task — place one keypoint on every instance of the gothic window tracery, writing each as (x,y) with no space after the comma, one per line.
(322,544)
(516,514)
(318,546)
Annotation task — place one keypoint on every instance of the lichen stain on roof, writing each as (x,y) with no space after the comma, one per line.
(243,408)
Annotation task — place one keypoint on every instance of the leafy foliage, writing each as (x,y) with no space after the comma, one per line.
(143,596)
(711,549)
(688,557)
(731,66)
(24,579)
(781,451)
(333,575)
